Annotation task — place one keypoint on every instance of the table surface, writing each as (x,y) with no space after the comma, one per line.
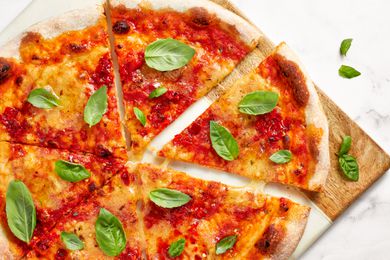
(314,29)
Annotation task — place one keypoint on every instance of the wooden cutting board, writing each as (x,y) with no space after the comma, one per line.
(339,193)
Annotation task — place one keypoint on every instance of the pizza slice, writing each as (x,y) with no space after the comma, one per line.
(57,86)
(269,126)
(171,54)
(197,219)
(44,184)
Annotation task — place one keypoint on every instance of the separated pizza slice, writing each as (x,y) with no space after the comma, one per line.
(38,186)
(171,53)
(192,218)
(269,126)
(57,86)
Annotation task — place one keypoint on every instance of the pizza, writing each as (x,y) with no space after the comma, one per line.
(217,39)
(274,119)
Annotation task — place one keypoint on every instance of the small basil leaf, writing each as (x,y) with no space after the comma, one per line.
(280,157)
(168,198)
(345,145)
(168,54)
(110,235)
(258,102)
(176,248)
(96,107)
(225,244)
(20,209)
(157,92)
(139,115)
(71,241)
(348,72)
(345,45)
(349,166)
(223,142)
(71,171)
(42,98)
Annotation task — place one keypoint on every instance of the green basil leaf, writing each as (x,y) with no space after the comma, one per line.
(96,107)
(139,115)
(225,244)
(158,92)
(43,98)
(110,235)
(20,209)
(176,248)
(168,198)
(345,145)
(223,142)
(349,166)
(348,72)
(71,241)
(71,171)
(345,45)
(280,157)
(168,54)
(258,102)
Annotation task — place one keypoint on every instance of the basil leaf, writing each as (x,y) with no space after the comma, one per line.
(158,92)
(223,142)
(280,157)
(20,209)
(168,54)
(139,115)
(176,248)
(110,235)
(96,107)
(258,102)
(71,171)
(345,145)
(43,98)
(167,198)
(345,45)
(71,241)
(348,72)
(225,244)
(349,166)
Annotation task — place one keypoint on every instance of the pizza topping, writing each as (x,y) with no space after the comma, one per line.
(110,235)
(168,198)
(345,145)
(43,98)
(157,92)
(168,54)
(20,209)
(269,240)
(5,69)
(96,107)
(223,142)
(348,72)
(345,45)
(103,74)
(283,205)
(271,126)
(71,171)
(177,247)
(121,27)
(225,244)
(281,156)
(139,115)
(349,166)
(258,102)
(71,241)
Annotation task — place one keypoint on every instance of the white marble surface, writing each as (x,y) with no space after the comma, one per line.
(314,29)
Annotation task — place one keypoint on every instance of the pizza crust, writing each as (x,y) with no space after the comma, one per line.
(248,33)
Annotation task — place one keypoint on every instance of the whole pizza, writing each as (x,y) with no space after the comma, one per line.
(83,95)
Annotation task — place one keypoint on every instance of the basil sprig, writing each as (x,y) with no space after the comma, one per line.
(71,171)
(139,115)
(348,163)
(110,235)
(20,210)
(71,241)
(42,98)
(345,145)
(96,107)
(280,157)
(258,102)
(158,92)
(225,244)
(345,45)
(348,72)
(168,198)
(168,54)
(177,248)
(223,142)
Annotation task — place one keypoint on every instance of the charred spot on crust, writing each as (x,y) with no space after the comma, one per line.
(5,70)
(200,17)
(121,27)
(269,240)
(31,37)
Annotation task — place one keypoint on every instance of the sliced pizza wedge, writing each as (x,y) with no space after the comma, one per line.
(197,219)
(269,125)
(57,86)
(52,181)
(171,53)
